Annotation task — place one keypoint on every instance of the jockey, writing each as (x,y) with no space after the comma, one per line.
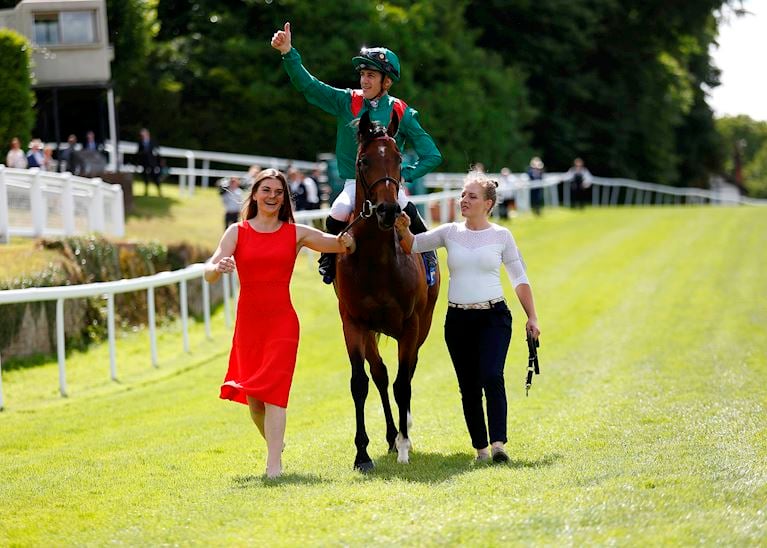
(379,68)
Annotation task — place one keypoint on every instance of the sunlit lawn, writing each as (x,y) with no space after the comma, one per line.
(647,425)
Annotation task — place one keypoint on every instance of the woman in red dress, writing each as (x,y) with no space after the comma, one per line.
(263,249)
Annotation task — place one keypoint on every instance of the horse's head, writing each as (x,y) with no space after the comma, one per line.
(378,169)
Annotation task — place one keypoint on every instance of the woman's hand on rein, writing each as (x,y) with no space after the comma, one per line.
(346,240)
(225,265)
(402,223)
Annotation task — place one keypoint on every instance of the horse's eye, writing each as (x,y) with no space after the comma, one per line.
(363,161)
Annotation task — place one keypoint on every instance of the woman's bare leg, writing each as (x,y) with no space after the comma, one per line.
(274,428)
(257,411)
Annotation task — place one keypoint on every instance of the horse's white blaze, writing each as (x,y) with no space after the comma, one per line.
(403,449)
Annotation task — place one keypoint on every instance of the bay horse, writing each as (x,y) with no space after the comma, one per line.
(381,289)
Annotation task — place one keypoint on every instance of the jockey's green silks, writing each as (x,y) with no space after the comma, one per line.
(337,102)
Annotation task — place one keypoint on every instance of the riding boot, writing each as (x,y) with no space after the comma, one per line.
(417,225)
(327,261)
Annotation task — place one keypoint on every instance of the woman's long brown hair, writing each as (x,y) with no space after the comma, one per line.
(250,209)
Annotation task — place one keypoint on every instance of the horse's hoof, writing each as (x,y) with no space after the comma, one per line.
(364,467)
(392,449)
(403,449)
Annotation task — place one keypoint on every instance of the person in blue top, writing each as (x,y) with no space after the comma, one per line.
(378,68)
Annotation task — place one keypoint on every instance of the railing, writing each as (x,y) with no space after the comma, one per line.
(188,175)
(40,203)
(108,290)
(604,191)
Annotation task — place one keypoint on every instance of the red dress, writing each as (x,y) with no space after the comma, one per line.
(265,340)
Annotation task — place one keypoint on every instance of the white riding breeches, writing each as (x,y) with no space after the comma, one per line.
(344,203)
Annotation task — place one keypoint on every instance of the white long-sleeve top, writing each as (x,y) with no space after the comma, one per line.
(474,259)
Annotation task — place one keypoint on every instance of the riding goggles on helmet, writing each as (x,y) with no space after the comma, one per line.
(379,59)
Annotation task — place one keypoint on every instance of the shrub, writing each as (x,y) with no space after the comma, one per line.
(16,97)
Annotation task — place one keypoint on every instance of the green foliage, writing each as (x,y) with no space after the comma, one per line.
(742,143)
(756,174)
(16,97)
(617,83)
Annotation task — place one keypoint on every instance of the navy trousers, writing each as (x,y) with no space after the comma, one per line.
(478,341)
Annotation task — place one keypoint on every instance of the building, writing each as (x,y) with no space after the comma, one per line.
(72,74)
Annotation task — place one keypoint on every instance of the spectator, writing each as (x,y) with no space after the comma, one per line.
(16,158)
(68,156)
(90,142)
(231,195)
(297,189)
(507,206)
(47,158)
(35,155)
(312,193)
(148,157)
(579,178)
(535,173)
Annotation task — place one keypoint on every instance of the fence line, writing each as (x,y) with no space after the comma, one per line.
(40,203)
(108,290)
(188,175)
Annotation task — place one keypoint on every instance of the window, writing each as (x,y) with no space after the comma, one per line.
(46,28)
(66,27)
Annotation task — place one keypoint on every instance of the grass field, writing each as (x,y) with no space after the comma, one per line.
(646,426)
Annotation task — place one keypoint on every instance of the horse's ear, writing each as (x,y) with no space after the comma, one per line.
(393,128)
(365,125)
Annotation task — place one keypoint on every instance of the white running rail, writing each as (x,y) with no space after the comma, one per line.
(108,290)
(40,203)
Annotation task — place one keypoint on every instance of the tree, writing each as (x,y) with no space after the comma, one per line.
(756,174)
(617,82)
(16,97)
(225,88)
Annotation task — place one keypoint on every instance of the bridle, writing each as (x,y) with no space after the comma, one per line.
(368,207)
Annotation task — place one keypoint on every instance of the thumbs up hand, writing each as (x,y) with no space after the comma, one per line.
(281,40)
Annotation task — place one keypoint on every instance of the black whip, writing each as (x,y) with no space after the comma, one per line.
(532,361)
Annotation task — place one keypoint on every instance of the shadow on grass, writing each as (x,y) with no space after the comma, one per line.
(25,362)
(438,467)
(244,482)
(148,207)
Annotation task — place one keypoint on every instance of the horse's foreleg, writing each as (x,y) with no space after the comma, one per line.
(408,353)
(355,346)
(381,380)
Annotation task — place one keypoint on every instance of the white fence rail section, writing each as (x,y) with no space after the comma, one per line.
(40,203)
(108,290)
(604,191)
(189,175)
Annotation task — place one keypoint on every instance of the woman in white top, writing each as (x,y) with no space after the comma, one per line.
(16,157)
(478,322)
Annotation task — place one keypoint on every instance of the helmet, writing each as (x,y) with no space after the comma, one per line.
(380,59)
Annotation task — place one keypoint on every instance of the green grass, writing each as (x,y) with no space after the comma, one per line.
(647,425)
(173,218)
